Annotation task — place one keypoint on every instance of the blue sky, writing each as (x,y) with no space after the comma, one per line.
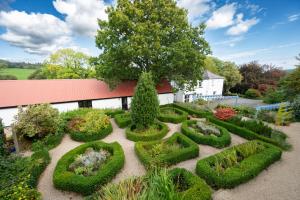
(241,31)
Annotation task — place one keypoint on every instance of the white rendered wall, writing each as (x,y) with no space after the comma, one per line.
(107,103)
(166,98)
(64,107)
(7,115)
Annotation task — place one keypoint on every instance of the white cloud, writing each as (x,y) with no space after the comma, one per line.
(196,8)
(292,18)
(231,41)
(82,15)
(36,33)
(222,17)
(242,26)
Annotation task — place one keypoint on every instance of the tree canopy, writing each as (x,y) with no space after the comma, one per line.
(150,36)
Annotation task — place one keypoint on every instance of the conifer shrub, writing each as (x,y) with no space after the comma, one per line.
(296,108)
(252,93)
(284,115)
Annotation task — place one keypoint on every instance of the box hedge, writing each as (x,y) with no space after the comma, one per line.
(195,188)
(67,180)
(245,170)
(190,150)
(192,110)
(113,112)
(222,141)
(131,135)
(180,115)
(123,120)
(83,137)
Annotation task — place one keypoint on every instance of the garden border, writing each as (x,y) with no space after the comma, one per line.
(180,117)
(121,121)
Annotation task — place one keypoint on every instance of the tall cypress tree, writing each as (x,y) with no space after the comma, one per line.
(145,104)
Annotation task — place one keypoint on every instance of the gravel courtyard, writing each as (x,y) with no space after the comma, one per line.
(280,181)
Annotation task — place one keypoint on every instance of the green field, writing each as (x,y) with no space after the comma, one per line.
(21,74)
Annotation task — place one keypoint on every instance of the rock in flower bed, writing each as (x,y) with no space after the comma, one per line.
(105,161)
(205,132)
(169,151)
(238,164)
(173,115)
(176,184)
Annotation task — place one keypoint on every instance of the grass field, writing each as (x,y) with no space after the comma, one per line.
(21,74)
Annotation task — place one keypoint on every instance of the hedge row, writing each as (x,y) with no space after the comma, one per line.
(113,112)
(196,188)
(82,136)
(67,180)
(221,141)
(131,135)
(190,150)
(192,111)
(123,120)
(240,173)
(179,117)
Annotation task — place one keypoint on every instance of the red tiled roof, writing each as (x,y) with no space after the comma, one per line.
(25,92)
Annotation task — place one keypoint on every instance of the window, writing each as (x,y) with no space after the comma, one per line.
(186,98)
(85,104)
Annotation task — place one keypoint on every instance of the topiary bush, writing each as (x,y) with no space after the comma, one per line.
(219,141)
(154,132)
(252,93)
(296,108)
(37,121)
(67,180)
(145,104)
(123,120)
(238,164)
(169,151)
(173,115)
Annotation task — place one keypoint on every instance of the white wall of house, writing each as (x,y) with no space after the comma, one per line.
(7,115)
(166,98)
(64,107)
(107,103)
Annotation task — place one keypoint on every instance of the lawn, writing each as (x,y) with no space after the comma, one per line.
(21,74)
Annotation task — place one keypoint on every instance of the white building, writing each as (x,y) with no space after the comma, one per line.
(70,94)
(211,85)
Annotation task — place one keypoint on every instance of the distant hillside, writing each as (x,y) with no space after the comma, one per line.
(22,65)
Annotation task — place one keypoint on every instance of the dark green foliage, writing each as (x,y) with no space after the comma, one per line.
(291,84)
(189,150)
(274,96)
(123,120)
(8,77)
(145,104)
(190,186)
(244,167)
(2,150)
(173,115)
(245,111)
(296,108)
(267,116)
(83,137)
(192,110)
(221,141)
(113,112)
(155,132)
(67,180)
(252,93)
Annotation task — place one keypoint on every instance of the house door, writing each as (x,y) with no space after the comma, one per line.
(124,103)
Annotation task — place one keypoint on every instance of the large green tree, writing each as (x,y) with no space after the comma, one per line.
(153,36)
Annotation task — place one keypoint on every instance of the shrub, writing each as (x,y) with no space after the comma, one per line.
(145,104)
(8,77)
(252,93)
(113,112)
(48,142)
(173,115)
(274,96)
(284,115)
(220,141)
(2,150)
(37,121)
(245,111)
(192,109)
(188,150)
(154,132)
(267,116)
(67,180)
(296,108)
(123,120)
(224,113)
(238,164)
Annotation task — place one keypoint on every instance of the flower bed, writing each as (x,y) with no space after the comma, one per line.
(66,179)
(93,125)
(238,164)
(173,115)
(123,120)
(204,133)
(169,151)
(155,132)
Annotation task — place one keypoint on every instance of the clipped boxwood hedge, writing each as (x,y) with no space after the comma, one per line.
(123,120)
(131,135)
(195,188)
(191,111)
(180,115)
(222,141)
(190,150)
(67,180)
(83,137)
(113,112)
(239,173)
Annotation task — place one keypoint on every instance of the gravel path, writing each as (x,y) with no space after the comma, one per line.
(280,180)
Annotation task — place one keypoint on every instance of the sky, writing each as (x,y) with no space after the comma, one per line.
(241,31)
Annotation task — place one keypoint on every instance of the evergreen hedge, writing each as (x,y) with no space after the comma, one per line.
(2,150)
(190,150)
(83,137)
(179,117)
(131,135)
(221,141)
(239,173)
(67,180)
(123,120)
(192,111)
(195,187)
